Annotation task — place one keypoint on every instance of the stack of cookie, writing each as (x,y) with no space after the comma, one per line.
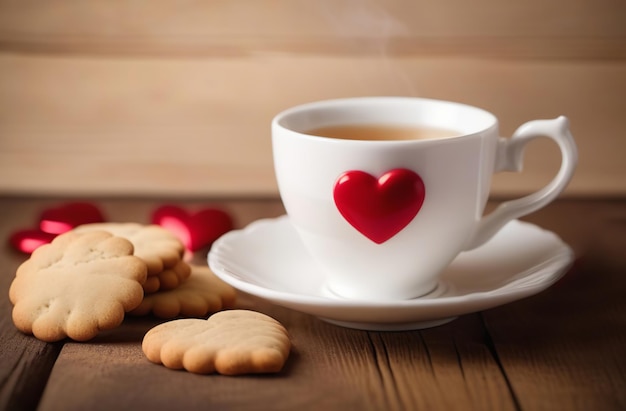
(172,287)
(87,279)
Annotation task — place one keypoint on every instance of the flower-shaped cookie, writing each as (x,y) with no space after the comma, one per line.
(156,246)
(167,279)
(229,342)
(76,286)
(202,293)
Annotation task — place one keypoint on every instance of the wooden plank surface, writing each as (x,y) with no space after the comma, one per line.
(25,363)
(81,126)
(564,348)
(164,98)
(533,29)
(577,325)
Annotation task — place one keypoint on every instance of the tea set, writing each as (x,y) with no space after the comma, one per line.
(385,226)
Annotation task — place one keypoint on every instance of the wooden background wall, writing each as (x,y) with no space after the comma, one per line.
(176,97)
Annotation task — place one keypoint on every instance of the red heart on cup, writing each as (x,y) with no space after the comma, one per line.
(379,208)
(29,240)
(196,230)
(65,217)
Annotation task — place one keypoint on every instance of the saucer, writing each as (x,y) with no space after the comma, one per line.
(267,259)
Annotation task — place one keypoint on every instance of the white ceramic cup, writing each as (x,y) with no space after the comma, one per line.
(384,218)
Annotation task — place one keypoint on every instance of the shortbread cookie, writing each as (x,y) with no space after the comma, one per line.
(202,293)
(156,246)
(229,342)
(167,279)
(77,285)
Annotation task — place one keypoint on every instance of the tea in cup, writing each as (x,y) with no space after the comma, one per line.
(384,192)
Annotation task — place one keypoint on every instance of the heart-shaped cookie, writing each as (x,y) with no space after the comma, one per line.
(65,217)
(379,208)
(230,342)
(195,229)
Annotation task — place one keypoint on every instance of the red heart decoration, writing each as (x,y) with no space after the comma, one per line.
(29,240)
(196,230)
(55,221)
(379,208)
(63,218)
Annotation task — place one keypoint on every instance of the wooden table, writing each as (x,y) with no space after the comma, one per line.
(563,349)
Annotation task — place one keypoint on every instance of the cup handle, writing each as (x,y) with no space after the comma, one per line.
(510,158)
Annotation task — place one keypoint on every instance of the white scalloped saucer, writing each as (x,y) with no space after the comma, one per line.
(267,259)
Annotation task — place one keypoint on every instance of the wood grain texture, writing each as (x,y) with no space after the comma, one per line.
(197,127)
(25,362)
(533,29)
(176,98)
(563,349)
(571,340)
